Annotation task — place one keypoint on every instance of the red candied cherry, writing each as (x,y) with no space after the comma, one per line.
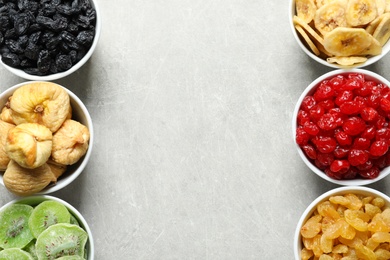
(353,82)
(323,92)
(378,148)
(301,136)
(381,122)
(380,162)
(325,144)
(350,174)
(311,128)
(369,133)
(361,143)
(346,95)
(350,107)
(366,89)
(354,126)
(383,134)
(337,82)
(303,117)
(357,157)
(361,102)
(307,103)
(371,173)
(310,151)
(324,159)
(328,122)
(333,175)
(385,104)
(373,100)
(369,114)
(327,104)
(343,138)
(339,166)
(316,112)
(341,152)
(387,156)
(365,166)
(339,116)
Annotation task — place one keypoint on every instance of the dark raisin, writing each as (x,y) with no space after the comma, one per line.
(4,23)
(26,63)
(65,9)
(21,24)
(85,37)
(1,37)
(53,42)
(32,51)
(82,21)
(63,62)
(33,71)
(22,41)
(59,24)
(11,59)
(72,28)
(67,37)
(14,46)
(44,61)
(11,34)
(73,56)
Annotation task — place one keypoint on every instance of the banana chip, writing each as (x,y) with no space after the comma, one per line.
(306,9)
(343,28)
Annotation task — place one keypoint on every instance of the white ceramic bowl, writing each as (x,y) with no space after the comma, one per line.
(35,200)
(308,91)
(365,191)
(307,50)
(79,113)
(75,67)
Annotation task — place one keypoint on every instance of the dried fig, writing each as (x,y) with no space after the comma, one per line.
(44,103)
(29,144)
(6,113)
(25,182)
(4,128)
(57,168)
(70,142)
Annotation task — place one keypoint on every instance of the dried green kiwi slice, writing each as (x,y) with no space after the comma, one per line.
(30,248)
(61,240)
(47,213)
(14,230)
(15,253)
(73,220)
(70,257)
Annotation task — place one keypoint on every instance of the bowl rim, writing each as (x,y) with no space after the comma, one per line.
(308,89)
(370,60)
(85,159)
(36,199)
(336,191)
(75,67)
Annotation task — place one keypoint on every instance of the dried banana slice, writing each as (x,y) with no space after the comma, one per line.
(70,142)
(382,31)
(370,28)
(4,129)
(305,9)
(387,8)
(29,144)
(347,41)
(347,61)
(361,12)
(380,6)
(310,32)
(329,17)
(375,48)
(45,103)
(307,39)
(25,182)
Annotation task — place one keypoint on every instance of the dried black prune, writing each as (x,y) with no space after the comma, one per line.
(11,59)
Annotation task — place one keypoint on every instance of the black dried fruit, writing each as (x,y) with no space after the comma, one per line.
(45,36)
(11,59)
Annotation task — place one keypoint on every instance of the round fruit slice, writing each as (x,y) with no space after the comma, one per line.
(70,257)
(14,231)
(306,9)
(346,41)
(61,240)
(307,39)
(15,253)
(46,214)
(382,31)
(329,17)
(361,12)
(347,61)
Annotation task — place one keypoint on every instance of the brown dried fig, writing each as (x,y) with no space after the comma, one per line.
(4,158)
(70,142)
(6,113)
(29,144)
(25,182)
(57,168)
(45,103)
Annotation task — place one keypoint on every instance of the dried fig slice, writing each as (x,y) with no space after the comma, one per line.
(45,103)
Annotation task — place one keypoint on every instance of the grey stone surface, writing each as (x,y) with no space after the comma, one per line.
(194,156)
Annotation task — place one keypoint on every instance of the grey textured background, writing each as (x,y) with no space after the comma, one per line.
(194,158)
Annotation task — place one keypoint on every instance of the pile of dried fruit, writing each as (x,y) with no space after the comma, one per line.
(45,37)
(350,226)
(46,231)
(39,138)
(345,32)
(343,127)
